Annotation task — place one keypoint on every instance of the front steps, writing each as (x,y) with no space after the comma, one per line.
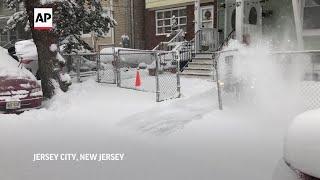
(200,67)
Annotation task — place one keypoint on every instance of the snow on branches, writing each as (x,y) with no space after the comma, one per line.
(70,18)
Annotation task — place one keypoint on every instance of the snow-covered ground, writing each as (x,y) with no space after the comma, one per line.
(302,143)
(182,139)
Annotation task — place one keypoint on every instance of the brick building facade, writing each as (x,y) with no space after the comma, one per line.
(154,9)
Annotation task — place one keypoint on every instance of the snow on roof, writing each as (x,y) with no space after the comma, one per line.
(9,67)
(26,49)
(302,147)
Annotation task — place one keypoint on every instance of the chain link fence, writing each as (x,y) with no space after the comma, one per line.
(289,78)
(85,65)
(149,71)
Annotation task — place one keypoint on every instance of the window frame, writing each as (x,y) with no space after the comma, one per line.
(309,31)
(164,19)
(306,6)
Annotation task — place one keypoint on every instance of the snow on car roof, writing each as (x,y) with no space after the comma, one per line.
(26,49)
(9,67)
(302,145)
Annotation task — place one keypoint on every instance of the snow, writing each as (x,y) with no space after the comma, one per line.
(49,1)
(302,143)
(53,47)
(9,67)
(60,58)
(128,56)
(187,138)
(65,77)
(15,95)
(284,172)
(26,49)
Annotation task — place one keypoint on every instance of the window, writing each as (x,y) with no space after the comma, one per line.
(311,14)
(253,16)
(233,20)
(163,20)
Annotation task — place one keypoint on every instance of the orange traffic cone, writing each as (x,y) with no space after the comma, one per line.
(138,79)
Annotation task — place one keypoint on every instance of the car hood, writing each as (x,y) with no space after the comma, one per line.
(8,84)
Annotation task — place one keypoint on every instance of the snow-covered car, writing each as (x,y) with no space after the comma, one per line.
(26,51)
(133,58)
(19,89)
(302,147)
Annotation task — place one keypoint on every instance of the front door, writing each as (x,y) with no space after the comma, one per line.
(207,37)
(207,16)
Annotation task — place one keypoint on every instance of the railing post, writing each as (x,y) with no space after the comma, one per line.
(157,78)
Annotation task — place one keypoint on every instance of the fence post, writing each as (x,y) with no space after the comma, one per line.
(215,62)
(78,69)
(118,61)
(98,67)
(157,78)
(176,56)
(115,64)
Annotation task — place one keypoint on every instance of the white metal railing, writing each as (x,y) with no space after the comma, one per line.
(206,40)
(177,38)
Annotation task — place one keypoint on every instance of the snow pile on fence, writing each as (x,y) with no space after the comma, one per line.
(302,147)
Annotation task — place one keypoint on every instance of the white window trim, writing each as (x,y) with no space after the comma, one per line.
(164,10)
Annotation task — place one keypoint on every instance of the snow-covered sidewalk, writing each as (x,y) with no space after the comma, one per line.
(185,139)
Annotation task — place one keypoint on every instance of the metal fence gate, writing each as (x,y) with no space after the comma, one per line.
(296,73)
(149,71)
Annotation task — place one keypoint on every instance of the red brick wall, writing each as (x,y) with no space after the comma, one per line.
(190,23)
(150,30)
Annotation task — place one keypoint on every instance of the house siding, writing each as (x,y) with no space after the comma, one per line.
(135,31)
(122,14)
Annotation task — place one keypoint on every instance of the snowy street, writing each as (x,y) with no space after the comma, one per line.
(177,139)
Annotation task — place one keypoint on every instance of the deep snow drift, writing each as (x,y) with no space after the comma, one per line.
(187,138)
(181,139)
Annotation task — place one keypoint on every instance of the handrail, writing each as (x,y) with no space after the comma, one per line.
(176,36)
(226,40)
(171,40)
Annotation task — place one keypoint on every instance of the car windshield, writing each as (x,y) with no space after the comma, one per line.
(10,68)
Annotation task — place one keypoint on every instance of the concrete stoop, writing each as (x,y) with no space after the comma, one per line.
(200,67)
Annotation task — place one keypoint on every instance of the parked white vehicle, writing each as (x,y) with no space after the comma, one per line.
(27,55)
(26,51)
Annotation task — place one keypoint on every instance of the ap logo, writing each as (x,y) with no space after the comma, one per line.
(42,18)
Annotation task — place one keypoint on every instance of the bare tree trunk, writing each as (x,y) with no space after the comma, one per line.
(46,58)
